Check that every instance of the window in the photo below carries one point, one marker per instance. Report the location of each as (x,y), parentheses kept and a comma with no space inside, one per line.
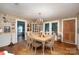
(47,27)
(51,28)
(54,27)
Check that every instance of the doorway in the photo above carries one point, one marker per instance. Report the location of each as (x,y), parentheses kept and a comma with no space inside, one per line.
(20,31)
(69,31)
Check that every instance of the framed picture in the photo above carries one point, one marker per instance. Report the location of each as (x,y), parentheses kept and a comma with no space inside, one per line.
(6,28)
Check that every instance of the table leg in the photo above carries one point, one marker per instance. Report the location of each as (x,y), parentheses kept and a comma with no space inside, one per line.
(43,46)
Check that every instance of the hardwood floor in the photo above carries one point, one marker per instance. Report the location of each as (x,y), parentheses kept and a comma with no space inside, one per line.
(59,49)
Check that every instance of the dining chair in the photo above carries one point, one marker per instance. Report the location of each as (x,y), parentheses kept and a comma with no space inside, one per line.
(50,44)
(29,43)
(29,40)
(35,44)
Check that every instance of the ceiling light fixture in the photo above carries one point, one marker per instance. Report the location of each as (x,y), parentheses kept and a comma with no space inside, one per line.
(40,17)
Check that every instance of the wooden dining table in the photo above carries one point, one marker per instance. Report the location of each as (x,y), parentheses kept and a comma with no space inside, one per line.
(42,39)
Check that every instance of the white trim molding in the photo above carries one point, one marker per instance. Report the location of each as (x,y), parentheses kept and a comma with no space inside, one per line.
(25,27)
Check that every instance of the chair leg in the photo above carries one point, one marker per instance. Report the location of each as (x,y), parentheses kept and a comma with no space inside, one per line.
(35,50)
(29,45)
(32,47)
(51,49)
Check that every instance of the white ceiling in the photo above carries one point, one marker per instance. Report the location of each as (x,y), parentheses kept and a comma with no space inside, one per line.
(47,10)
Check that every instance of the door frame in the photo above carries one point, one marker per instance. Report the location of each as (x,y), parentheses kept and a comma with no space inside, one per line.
(74,18)
(25,27)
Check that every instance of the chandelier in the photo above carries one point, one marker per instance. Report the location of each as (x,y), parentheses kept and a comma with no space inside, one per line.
(40,19)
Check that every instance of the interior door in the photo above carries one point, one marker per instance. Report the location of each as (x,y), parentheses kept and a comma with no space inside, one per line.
(69,31)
